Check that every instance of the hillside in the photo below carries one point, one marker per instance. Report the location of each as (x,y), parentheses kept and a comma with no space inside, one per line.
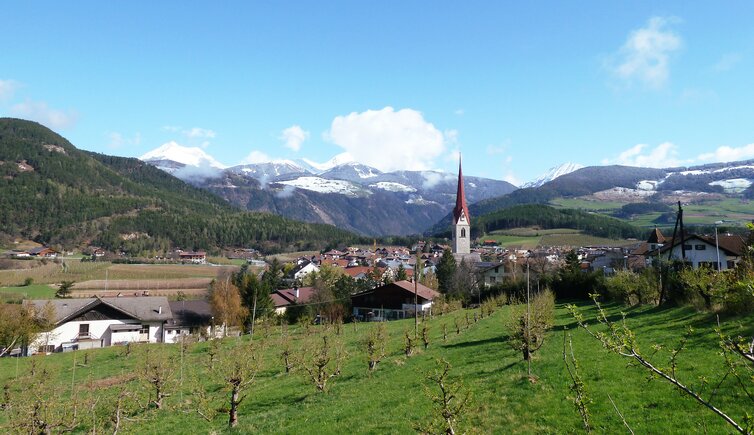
(53,193)
(643,196)
(396,397)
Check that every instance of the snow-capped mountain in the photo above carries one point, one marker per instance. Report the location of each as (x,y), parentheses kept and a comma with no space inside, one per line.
(317,168)
(268,171)
(553,173)
(183,156)
(351,171)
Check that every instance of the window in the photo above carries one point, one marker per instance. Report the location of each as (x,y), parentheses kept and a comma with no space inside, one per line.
(84,330)
(463,233)
(144,329)
(700,247)
(687,247)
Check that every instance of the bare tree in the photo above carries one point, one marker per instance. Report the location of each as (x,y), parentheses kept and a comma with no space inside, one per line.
(375,343)
(528,325)
(159,373)
(238,369)
(449,402)
(323,362)
(409,345)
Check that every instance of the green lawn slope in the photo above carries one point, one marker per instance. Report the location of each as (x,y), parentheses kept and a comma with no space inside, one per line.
(394,398)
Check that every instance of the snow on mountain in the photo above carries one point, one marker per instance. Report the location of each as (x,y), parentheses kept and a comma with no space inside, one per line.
(190,156)
(317,168)
(269,170)
(393,187)
(553,173)
(351,171)
(323,185)
(733,185)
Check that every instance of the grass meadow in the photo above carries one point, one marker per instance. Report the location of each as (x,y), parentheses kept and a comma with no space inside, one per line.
(395,397)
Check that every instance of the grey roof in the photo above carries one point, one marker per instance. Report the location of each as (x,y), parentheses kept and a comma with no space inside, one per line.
(145,308)
(190,313)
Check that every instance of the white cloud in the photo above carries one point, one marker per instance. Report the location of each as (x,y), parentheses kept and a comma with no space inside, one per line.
(459,112)
(727,62)
(199,133)
(117,140)
(645,56)
(432,179)
(729,154)
(293,137)
(664,155)
(39,111)
(8,88)
(513,179)
(256,157)
(388,140)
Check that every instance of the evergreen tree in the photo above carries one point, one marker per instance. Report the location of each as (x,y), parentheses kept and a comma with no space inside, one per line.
(446,269)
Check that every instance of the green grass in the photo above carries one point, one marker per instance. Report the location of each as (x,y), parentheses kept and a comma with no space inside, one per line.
(586,204)
(393,399)
(34,291)
(530,238)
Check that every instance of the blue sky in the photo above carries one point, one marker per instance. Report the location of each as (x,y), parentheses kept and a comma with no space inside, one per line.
(517,87)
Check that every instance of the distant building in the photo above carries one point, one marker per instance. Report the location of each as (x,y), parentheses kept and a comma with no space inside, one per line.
(704,251)
(196,257)
(461,219)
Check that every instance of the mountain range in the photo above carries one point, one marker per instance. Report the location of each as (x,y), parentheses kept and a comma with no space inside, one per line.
(341,192)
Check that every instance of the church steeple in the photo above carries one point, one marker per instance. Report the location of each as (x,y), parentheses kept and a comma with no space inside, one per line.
(461,218)
(461,207)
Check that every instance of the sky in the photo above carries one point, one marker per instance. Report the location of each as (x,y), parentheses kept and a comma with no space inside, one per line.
(515,87)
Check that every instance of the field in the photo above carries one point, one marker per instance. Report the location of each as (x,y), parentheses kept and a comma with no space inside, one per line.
(530,238)
(735,211)
(96,277)
(34,291)
(395,398)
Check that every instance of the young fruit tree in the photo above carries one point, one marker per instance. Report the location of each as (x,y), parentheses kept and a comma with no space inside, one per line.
(322,362)
(528,324)
(238,368)
(375,343)
(450,401)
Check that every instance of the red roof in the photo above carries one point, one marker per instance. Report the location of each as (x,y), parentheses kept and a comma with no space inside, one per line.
(461,206)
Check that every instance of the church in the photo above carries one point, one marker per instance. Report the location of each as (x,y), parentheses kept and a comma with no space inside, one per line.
(461,228)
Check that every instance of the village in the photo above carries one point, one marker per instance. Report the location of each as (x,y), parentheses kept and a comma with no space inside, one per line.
(383,283)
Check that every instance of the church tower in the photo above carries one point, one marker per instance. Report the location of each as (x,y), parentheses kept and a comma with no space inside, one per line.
(461,219)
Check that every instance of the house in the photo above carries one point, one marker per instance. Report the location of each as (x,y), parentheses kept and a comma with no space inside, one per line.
(284,298)
(43,252)
(702,251)
(392,301)
(492,274)
(196,257)
(190,317)
(101,322)
(302,269)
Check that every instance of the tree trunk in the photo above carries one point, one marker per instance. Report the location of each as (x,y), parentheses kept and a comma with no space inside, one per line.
(233,414)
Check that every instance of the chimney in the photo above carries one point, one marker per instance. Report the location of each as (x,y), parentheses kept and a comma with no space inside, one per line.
(159,309)
(295,292)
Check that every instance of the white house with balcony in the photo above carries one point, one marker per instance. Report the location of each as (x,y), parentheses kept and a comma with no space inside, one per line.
(704,251)
(100,322)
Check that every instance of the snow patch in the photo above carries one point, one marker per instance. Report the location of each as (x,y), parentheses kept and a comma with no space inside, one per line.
(393,187)
(733,185)
(323,185)
(648,185)
(617,193)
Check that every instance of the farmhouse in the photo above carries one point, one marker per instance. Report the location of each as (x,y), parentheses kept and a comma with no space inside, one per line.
(702,251)
(101,322)
(392,301)
(196,257)
(282,299)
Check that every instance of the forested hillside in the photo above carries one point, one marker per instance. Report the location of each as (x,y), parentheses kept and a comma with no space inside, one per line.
(53,193)
(547,217)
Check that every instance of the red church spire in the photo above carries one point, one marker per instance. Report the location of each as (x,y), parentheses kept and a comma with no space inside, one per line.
(460,198)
